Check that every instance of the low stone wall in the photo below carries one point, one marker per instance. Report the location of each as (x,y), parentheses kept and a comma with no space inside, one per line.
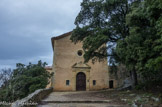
(33,99)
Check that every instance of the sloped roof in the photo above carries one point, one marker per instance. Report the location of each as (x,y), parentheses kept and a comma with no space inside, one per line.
(59,37)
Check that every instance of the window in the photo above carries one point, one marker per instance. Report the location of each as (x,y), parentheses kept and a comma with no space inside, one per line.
(80,53)
(94,82)
(67,82)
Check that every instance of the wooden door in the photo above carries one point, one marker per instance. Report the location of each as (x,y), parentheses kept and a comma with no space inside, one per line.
(81,82)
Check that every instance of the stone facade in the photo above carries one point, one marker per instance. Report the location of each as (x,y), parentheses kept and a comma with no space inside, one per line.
(119,75)
(70,71)
(49,69)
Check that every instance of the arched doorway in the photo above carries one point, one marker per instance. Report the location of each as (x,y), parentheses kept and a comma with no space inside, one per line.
(81,82)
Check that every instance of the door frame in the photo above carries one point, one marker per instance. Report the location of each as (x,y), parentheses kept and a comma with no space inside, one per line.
(87,74)
(83,80)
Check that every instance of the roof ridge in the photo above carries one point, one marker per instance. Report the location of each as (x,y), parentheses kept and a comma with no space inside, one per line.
(61,36)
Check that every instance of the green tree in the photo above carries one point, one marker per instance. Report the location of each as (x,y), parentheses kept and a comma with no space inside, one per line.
(25,80)
(141,51)
(131,29)
(98,23)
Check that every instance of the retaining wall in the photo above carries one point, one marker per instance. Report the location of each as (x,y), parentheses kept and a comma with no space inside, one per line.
(33,99)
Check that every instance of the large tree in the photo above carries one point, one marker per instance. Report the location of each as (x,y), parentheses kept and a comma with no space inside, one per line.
(142,50)
(131,29)
(25,80)
(98,23)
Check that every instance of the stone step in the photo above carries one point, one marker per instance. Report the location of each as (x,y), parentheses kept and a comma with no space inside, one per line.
(46,102)
(81,105)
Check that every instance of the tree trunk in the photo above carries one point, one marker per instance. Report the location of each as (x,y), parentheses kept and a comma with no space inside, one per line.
(134,78)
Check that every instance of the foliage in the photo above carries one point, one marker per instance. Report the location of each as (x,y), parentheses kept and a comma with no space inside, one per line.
(131,29)
(142,50)
(5,76)
(25,80)
(98,23)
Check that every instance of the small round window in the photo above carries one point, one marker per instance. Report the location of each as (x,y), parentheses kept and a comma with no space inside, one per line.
(80,53)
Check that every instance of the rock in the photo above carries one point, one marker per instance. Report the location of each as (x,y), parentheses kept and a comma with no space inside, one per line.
(134,105)
(131,95)
(127,84)
(128,91)
(141,105)
(155,99)
(124,100)
(138,98)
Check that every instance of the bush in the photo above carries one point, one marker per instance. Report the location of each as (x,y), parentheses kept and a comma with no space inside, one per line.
(25,80)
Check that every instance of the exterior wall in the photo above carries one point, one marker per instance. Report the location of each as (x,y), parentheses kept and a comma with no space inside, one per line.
(65,56)
(50,82)
(118,76)
(122,75)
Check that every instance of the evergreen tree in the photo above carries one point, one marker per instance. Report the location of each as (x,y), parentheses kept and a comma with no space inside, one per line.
(130,28)
(25,80)
(98,23)
(141,52)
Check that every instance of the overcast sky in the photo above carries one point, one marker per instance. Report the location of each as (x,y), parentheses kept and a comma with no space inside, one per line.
(26,28)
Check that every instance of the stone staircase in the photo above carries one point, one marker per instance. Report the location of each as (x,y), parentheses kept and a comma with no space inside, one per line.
(77,99)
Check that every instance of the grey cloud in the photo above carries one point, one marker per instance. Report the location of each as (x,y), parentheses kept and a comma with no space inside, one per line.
(26,28)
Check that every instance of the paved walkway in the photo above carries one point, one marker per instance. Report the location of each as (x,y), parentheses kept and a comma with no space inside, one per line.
(79,99)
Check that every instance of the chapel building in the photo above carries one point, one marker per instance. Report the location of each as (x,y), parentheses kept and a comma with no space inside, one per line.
(70,71)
